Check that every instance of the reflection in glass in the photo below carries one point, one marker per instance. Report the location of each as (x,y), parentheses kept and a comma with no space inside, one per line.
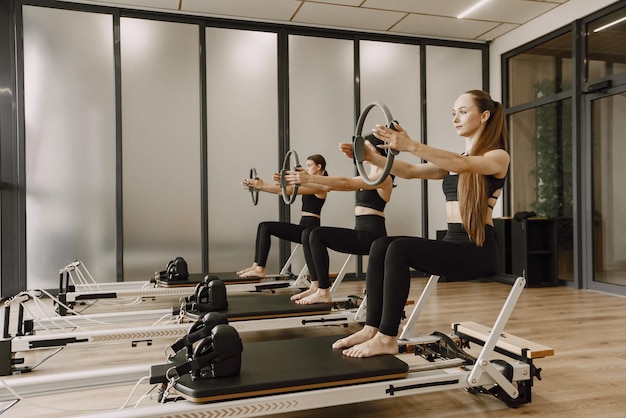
(541,71)
(609,195)
(606,49)
(541,170)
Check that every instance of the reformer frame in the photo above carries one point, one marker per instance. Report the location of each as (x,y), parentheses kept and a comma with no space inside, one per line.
(70,294)
(297,316)
(60,319)
(510,382)
(83,281)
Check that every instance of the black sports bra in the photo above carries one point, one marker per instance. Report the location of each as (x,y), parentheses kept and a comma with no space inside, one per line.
(312,204)
(370,199)
(451,184)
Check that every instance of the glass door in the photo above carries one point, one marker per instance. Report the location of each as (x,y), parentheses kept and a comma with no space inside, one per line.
(607,150)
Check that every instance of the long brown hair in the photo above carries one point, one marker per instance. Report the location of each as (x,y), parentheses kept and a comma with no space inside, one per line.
(473,187)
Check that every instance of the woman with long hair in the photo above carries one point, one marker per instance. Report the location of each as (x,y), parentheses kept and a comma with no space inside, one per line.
(472,182)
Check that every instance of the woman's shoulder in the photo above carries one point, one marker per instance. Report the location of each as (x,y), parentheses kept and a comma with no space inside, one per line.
(498,153)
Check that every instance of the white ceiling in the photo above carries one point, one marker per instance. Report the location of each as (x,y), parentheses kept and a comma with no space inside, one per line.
(424,18)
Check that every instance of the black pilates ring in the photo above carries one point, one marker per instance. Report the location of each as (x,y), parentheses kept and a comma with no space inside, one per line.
(289,199)
(358,144)
(254,192)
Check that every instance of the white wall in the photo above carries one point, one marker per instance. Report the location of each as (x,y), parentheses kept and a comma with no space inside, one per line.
(554,19)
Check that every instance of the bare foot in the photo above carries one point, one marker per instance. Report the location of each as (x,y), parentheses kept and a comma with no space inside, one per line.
(307,292)
(358,337)
(303,294)
(320,296)
(247,269)
(240,272)
(378,345)
(254,272)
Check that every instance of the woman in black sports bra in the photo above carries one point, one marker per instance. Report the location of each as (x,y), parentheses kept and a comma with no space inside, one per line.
(369,214)
(471,182)
(312,202)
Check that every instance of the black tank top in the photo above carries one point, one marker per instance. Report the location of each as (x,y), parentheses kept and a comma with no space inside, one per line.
(312,204)
(451,184)
(370,199)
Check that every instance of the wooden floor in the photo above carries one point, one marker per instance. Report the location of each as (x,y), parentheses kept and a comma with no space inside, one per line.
(585,378)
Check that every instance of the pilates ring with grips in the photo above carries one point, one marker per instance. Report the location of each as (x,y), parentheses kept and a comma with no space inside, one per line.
(358,144)
(254,192)
(289,199)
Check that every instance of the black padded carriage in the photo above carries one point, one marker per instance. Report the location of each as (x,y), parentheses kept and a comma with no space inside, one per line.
(283,366)
(244,307)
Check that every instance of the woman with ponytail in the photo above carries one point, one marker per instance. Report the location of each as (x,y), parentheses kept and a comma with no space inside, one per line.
(313,200)
(472,182)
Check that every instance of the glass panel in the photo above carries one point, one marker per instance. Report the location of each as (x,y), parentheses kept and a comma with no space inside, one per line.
(161,144)
(446,80)
(242,125)
(321,111)
(386,69)
(541,71)
(606,49)
(541,170)
(69,109)
(609,195)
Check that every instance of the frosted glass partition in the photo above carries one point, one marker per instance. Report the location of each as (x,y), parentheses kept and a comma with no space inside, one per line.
(161,145)
(69,109)
(242,119)
(321,98)
(390,73)
(449,73)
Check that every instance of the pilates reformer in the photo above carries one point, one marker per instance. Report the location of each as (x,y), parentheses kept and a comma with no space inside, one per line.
(27,385)
(63,311)
(76,284)
(247,312)
(504,368)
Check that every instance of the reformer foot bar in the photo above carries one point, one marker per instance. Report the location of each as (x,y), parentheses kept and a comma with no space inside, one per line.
(333,379)
(246,312)
(76,284)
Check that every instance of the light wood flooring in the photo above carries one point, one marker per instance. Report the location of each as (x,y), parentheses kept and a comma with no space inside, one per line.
(585,378)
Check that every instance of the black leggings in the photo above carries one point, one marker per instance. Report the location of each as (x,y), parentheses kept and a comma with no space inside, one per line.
(349,241)
(282,230)
(388,277)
